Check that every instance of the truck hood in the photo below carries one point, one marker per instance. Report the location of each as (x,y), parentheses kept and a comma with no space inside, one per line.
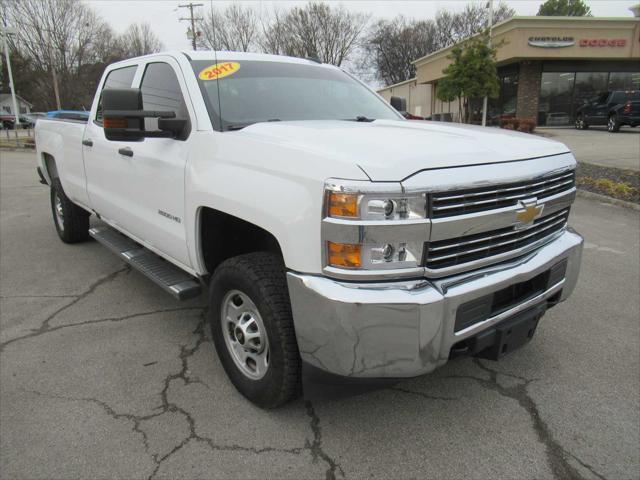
(389,150)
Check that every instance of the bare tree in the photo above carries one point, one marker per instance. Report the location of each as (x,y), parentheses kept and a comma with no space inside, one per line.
(275,35)
(392,45)
(317,30)
(235,28)
(139,40)
(57,37)
(66,47)
(475,17)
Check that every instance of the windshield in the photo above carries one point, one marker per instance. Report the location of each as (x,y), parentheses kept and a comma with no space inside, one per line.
(255,91)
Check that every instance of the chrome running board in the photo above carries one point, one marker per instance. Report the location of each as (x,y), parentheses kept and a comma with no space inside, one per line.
(161,272)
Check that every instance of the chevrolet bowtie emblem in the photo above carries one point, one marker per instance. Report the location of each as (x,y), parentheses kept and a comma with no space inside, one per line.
(529,212)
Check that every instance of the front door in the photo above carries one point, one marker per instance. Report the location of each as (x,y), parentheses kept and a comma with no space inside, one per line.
(139,185)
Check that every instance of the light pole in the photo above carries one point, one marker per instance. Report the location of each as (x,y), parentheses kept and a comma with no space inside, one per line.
(6,31)
(485,100)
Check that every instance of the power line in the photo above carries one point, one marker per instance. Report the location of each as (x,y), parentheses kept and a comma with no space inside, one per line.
(192,19)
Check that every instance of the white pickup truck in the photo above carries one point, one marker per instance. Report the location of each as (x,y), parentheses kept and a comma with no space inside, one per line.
(340,243)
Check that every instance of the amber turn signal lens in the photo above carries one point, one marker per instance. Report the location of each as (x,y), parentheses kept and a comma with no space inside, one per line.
(115,123)
(343,205)
(345,255)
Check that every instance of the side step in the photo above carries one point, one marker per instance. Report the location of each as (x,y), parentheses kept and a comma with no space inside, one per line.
(163,273)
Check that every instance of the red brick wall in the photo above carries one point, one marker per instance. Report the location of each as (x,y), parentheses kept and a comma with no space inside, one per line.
(528,89)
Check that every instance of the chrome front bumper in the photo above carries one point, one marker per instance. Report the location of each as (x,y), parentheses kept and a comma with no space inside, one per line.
(405,329)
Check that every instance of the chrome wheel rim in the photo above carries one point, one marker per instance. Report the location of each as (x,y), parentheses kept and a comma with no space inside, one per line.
(612,124)
(244,334)
(59,213)
(579,123)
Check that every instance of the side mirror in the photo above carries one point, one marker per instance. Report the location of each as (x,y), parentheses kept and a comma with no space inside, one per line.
(123,117)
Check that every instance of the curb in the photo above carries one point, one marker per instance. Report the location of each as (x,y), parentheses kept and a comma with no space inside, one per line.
(605,199)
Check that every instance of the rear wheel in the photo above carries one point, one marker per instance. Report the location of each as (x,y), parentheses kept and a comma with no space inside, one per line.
(613,125)
(580,123)
(71,221)
(252,328)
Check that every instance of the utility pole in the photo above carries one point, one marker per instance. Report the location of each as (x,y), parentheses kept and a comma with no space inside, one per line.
(485,101)
(192,19)
(6,31)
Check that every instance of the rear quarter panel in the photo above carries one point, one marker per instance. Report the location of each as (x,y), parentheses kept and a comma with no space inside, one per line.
(62,140)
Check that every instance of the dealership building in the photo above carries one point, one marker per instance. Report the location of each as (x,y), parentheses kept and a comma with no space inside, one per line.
(548,67)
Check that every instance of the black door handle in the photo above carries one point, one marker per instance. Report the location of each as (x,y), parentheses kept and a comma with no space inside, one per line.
(126,151)
(88,142)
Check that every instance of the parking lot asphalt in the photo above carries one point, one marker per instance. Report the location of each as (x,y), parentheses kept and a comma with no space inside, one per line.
(596,145)
(102,375)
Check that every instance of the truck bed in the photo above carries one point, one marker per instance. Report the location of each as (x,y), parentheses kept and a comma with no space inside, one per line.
(62,140)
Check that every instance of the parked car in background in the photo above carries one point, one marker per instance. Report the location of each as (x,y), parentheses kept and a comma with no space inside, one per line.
(613,109)
(32,118)
(27,120)
(557,118)
(69,115)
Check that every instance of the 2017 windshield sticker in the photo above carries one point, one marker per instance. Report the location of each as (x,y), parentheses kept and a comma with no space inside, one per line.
(219,70)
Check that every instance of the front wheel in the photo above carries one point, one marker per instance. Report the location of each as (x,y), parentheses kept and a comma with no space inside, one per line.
(252,328)
(580,123)
(613,125)
(71,221)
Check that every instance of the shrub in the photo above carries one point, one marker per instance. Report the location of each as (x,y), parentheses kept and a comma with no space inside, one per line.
(526,125)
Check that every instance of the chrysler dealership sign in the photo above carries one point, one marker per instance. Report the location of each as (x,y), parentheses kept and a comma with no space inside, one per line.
(551,42)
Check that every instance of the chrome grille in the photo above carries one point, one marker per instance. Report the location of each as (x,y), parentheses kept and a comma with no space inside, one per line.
(459,251)
(459,202)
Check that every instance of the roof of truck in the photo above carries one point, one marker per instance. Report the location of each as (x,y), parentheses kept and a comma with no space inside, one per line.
(224,55)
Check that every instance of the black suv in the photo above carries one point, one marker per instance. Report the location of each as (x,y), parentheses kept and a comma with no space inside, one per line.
(613,109)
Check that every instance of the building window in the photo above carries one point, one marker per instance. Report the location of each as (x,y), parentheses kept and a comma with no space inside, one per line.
(624,81)
(555,106)
(588,86)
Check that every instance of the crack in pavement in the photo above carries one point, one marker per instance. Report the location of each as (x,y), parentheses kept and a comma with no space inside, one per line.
(44,327)
(186,351)
(316,446)
(421,394)
(36,296)
(98,321)
(556,453)
(167,406)
(136,419)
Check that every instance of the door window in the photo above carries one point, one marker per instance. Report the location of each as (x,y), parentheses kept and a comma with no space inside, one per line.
(161,92)
(120,78)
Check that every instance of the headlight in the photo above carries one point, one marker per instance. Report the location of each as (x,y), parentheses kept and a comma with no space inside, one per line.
(372,230)
(374,206)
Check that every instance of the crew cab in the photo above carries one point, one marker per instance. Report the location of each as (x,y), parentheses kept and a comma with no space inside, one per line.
(613,109)
(338,243)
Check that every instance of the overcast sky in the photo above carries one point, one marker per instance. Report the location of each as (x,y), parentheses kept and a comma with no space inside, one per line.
(163,15)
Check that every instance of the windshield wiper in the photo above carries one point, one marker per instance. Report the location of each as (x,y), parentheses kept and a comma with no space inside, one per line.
(237,126)
(240,126)
(360,118)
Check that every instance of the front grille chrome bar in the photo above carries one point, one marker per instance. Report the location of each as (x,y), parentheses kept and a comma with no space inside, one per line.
(445,254)
(558,217)
(488,198)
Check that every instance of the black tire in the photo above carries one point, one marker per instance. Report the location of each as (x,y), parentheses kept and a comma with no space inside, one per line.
(612,124)
(261,277)
(73,223)
(580,123)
